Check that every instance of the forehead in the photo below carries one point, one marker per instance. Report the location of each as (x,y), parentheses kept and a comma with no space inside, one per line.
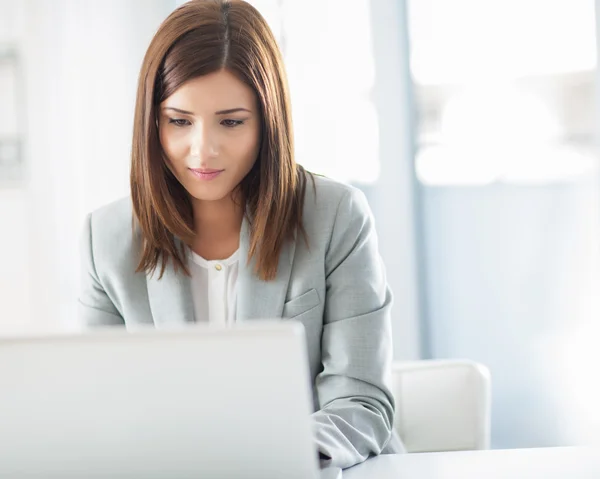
(216,91)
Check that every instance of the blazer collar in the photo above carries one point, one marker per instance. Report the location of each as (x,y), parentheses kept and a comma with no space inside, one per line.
(170,297)
(171,300)
(257,299)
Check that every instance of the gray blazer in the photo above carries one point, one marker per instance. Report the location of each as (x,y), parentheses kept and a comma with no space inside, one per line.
(336,287)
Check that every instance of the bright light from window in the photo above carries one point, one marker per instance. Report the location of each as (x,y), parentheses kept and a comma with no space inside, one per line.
(499,134)
(483,165)
(498,114)
(461,41)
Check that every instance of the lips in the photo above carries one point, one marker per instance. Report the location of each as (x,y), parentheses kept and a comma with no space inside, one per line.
(205,173)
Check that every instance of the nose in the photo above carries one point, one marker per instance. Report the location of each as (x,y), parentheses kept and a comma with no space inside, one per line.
(203,143)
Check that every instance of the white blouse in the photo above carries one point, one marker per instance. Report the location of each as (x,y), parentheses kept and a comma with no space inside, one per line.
(214,289)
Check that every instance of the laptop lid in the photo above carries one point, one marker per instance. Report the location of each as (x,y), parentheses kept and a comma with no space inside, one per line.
(200,402)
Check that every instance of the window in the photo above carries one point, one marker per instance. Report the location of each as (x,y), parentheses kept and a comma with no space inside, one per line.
(504,90)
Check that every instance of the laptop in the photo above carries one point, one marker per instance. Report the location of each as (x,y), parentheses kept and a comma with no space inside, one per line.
(202,402)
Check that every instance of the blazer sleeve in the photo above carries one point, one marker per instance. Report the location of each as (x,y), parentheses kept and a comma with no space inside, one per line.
(95,307)
(355,419)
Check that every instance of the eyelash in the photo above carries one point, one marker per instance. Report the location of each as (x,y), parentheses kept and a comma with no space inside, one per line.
(181,123)
(235,123)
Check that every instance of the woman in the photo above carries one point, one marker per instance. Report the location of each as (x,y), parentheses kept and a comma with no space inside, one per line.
(227,227)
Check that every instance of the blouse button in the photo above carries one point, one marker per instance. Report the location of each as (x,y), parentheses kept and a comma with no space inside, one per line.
(218,267)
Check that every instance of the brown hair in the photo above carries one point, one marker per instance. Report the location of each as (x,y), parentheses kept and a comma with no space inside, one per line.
(198,38)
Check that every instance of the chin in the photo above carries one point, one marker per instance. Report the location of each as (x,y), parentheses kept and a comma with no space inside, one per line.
(209,195)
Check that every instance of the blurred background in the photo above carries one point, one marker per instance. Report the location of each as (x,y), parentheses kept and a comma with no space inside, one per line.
(471,125)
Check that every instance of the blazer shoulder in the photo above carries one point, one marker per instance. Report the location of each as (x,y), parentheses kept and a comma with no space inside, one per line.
(325,198)
(327,192)
(331,205)
(113,219)
(110,233)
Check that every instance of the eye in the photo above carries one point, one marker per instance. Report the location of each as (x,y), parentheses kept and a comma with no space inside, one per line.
(179,122)
(232,123)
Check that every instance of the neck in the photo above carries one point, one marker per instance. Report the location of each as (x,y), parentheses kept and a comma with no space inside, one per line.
(215,219)
(217,225)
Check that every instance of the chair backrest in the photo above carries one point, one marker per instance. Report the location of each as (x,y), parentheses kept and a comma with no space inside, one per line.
(442,405)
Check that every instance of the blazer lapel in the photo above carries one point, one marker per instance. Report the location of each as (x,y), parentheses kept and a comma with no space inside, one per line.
(257,299)
(170,298)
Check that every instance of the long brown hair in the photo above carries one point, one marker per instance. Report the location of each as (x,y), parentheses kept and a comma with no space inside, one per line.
(198,38)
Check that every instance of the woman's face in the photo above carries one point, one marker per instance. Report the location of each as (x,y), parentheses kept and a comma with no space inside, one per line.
(210,132)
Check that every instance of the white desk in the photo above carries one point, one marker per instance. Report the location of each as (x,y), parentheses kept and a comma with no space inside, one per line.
(545,463)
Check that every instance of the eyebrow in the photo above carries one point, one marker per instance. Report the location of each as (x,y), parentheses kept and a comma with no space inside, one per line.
(220,112)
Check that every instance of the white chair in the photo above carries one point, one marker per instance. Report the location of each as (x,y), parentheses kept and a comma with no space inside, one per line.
(442,405)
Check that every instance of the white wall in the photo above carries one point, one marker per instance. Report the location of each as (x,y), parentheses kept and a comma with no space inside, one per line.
(14,224)
(14,259)
(81,60)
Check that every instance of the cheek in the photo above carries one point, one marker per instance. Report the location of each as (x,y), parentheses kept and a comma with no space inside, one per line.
(174,148)
(247,148)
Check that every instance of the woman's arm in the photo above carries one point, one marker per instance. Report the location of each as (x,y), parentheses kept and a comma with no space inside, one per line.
(357,406)
(95,307)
